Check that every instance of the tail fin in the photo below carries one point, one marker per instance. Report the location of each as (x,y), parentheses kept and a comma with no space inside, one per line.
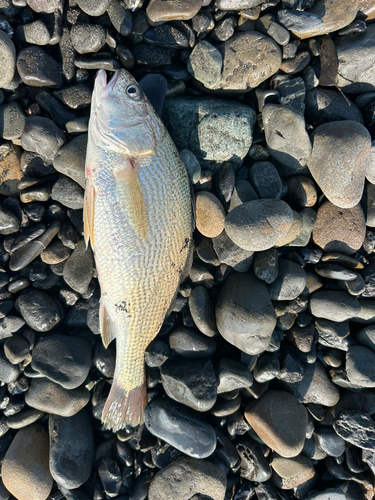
(124,408)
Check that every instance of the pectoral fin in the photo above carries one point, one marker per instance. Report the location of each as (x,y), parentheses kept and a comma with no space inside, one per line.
(107,332)
(88,213)
(128,179)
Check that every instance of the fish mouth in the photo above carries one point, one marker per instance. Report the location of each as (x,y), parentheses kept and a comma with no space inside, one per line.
(101,80)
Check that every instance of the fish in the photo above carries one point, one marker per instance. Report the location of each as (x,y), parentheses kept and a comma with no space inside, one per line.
(138,218)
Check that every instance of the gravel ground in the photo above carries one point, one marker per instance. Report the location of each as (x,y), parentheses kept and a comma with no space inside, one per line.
(261,383)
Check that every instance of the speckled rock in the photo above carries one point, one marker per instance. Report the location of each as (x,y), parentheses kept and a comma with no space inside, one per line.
(210,214)
(7,59)
(288,473)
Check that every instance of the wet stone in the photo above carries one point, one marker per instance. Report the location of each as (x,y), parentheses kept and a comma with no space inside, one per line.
(357,428)
(16,349)
(110,476)
(104,359)
(254,466)
(329,441)
(232,375)
(189,343)
(37,68)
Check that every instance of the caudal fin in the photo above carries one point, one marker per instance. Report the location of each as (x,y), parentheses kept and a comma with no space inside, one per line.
(124,408)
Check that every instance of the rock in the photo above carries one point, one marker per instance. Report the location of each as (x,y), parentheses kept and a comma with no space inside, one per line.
(366,337)
(233,375)
(266,265)
(339,230)
(110,476)
(37,68)
(35,33)
(157,11)
(332,334)
(156,353)
(334,14)
(210,214)
(25,470)
(16,349)
(329,441)
(8,372)
(289,283)
(243,50)
(334,305)
(63,359)
(244,313)
(87,38)
(42,136)
(105,359)
(356,428)
(68,193)
(258,225)
(10,170)
(231,254)
(192,165)
(286,137)
(93,8)
(254,466)
(280,421)
(190,433)
(302,190)
(8,59)
(294,232)
(215,130)
(189,343)
(288,473)
(12,121)
(303,24)
(243,191)
(40,311)
(79,268)
(120,17)
(192,383)
(76,97)
(71,449)
(185,478)
(55,253)
(47,396)
(266,180)
(336,143)
(44,6)
(205,64)
(202,311)
(360,366)
(323,105)
(9,223)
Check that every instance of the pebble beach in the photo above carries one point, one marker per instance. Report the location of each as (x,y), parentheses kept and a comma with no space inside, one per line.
(261,382)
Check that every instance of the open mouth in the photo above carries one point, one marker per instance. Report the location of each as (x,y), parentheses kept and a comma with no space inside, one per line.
(101,79)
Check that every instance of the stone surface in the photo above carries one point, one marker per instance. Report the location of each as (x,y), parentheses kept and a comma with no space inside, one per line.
(10,170)
(280,421)
(244,313)
(42,136)
(266,180)
(357,428)
(37,68)
(25,470)
(335,14)
(78,269)
(40,311)
(205,64)
(334,305)
(338,229)
(288,473)
(12,121)
(289,283)
(202,311)
(360,366)
(157,11)
(231,254)
(323,105)
(68,193)
(334,144)
(70,159)
(7,59)
(210,214)
(87,38)
(189,343)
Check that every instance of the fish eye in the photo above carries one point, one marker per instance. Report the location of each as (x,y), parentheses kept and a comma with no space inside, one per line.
(134,92)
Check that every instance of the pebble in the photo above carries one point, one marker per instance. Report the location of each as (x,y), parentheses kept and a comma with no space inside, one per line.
(55,253)
(302,190)
(254,466)
(104,360)
(40,311)
(87,38)
(35,33)
(12,121)
(110,475)
(192,383)
(334,271)
(93,8)
(16,349)
(231,254)
(157,11)
(332,334)
(244,313)
(288,473)
(210,214)
(280,422)
(266,180)
(37,68)
(202,311)
(76,97)
(42,136)
(156,353)
(339,230)
(223,129)
(190,343)
(79,268)
(329,441)
(120,17)
(9,223)
(71,437)
(192,165)
(294,232)
(360,367)
(10,170)
(259,225)
(8,59)
(334,143)
(205,64)
(68,193)
(47,396)
(69,359)
(323,105)
(286,137)
(188,478)
(181,427)
(233,375)
(289,283)
(334,305)
(8,372)
(25,472)
(301,23)
(266,265)
(356,428)
(366,337)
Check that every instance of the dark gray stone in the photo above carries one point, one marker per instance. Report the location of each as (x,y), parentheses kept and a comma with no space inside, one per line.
(156,353)
(12,121)
(360,366)
(266,180)
(8,372)
(329,441)
(323,105)
(40,311)
(254,466)
(266,265)
(190,343)
(289,283)
(202,311)
(334,305)
(9,223)
(68,193)
(79,268)
(231,254)
(356,428)
(233,375)
(37,68)
(42,136)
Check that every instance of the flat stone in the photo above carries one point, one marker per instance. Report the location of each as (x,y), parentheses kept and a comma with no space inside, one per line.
(24,418)
(68,193)
(202,311)
(366,337)
(360,366)
(244,313)
(289,283)
(186,478)
(288,473)
(339,229)
(24,471)
(181,427)
(47,396)
(9,223)
(72,449)
(356,428)
(280,421)
(205,64)
(334,305)
(93,8)
(286,136)
(42,136)
(336,143)
(323,105)
(157,11)
(301,23)
(329,441)
(40,311)
(190,343)
(8,59)
(258,225)
(37,68)
(79,268)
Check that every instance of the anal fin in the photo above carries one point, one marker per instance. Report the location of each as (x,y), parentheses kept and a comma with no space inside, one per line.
(107,332)
(88,213)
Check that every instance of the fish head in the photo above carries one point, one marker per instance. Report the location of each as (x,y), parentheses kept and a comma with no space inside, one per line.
(122,118)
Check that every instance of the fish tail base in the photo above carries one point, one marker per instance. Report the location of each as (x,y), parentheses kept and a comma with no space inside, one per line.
(124,408)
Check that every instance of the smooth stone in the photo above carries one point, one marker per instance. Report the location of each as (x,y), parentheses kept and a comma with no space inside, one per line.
(9,223)
(47,396)
(187,479)
(366,337)
(333,334)
(333,271)
(55,253)
(290,282)
(294,231)
(76,97)
(266,180)
(157,11)
(192,165)
(335,14)
(12,121)
(9,325)
(233,375)
(334,305)
(237,4)
(254,466)
(40,311)
(71,449)
(323,105)
(280,422)
(289,473)
(25,472)
(24,418)
(225,182)
(343,260)
(37,68)
(356,58)
(10,170)
(63,359)
(8,59)
(104,359)
(231,254)
(266,265)
(260,224)
(308,216)
(205,64)
(120,17)
(214,130)
(35,33)
(244,313)
(70,160)
(329,441)
(301,23)
(286,137)
(360,366)
(8,372)
(87,38)
(42,136)
(68,193)
(94,9)
(192,383)
(339,230)
(266,369)
(224,407)
(79,268)
(356,428)
(202,311)
(243,191)
(210,214)
(16,349)
(156,353)
(343,187)
(181,427)
(189,343)
(337,493)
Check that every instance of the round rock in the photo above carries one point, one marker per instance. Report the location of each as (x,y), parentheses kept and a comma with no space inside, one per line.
(42,136)
(266,180)
(70,160)
(360,366)
(290,281)
(7,59)
(87,38)
(334,305)
(79,268)
(260,224)
(25,471)
(280,421)
(40,311)
(190,343)
(38,69)
(210,214)
(68,193)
